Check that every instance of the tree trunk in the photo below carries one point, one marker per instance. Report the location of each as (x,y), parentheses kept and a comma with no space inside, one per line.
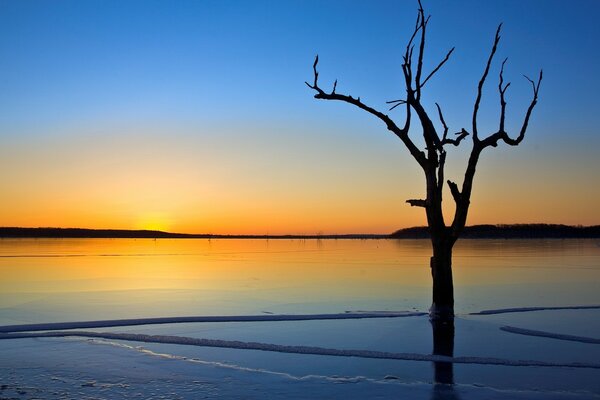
(442,307)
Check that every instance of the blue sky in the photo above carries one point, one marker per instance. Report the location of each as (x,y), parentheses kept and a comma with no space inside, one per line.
(235,69)
(174,60)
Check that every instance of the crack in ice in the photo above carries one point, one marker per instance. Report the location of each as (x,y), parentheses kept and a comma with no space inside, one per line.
(210,318)
(528,309)
(551,335)
(312,350)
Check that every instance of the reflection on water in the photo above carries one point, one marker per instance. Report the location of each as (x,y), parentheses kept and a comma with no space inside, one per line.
(443,345)
(86,279)
(66,279)
(443,375)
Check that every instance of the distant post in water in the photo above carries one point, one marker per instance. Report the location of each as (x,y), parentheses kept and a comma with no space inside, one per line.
(432,159)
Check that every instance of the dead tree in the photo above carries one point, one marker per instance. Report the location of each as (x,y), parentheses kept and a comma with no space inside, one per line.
(432,159)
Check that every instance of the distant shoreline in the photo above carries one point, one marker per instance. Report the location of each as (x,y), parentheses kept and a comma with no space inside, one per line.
(515,231)
(16,232)
(512,231)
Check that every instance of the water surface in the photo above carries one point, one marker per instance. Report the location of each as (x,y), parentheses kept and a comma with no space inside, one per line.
(51,280)
(44,280)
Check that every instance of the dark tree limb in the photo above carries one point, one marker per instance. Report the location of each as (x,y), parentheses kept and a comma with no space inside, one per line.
(536,89)
(501,91)
(463,197)
(460,136)
(462,208)
(413,95)
(455,192)
(396,103)
(315,85)
(407,65)
(440,178)
(436,69)
(402,133)
(417,203)
(493,139)
(423,27)
(482,81)
(432,140)
(445,135)
(445,140)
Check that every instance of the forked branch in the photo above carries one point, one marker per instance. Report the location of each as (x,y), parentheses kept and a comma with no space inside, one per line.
(402,133)
(501,90)
(396,103)
(463,197)
(493,139)
(501,134)
(445,140)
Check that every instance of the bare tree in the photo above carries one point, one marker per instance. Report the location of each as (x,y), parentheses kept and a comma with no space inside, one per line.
(432,159)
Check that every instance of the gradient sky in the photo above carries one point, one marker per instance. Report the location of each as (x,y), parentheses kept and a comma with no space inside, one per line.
(193,116)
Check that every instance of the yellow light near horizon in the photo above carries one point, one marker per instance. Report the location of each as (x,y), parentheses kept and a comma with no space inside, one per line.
(198,183)
(153,222)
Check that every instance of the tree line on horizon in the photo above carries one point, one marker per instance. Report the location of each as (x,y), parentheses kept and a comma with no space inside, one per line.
(502,231)
(507,231)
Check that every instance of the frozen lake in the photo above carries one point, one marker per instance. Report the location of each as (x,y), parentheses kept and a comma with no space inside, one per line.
(544,354)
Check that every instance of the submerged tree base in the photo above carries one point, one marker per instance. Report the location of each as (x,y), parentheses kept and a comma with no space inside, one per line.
(441,313)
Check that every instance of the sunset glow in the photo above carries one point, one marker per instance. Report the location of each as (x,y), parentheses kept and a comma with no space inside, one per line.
(196,118)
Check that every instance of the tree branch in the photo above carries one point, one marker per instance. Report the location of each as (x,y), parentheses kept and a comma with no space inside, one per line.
(461,135)
(482,81)
(502,90)
(390,124)
(397,103)
(445,140)
(438,67)
(442,121)
(407,65)
(536,88)
(493,139)
(424,22)
(440,179)
(455,192)
(413,96)
(315,85)
(417,203)
(432,140)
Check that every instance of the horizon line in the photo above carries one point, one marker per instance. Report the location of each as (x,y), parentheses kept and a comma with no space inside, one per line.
(480,230)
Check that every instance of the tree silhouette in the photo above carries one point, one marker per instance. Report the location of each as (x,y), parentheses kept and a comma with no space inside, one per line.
(432,159)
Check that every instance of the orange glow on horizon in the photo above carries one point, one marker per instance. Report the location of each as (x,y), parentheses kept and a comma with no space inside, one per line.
(202,184)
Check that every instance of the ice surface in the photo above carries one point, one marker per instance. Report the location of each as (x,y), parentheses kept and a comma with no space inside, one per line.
(189,341)
(67,369)
(250,278)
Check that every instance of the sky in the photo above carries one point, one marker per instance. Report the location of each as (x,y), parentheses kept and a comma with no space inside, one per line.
(193,116)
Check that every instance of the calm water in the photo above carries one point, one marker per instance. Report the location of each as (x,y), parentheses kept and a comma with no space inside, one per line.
(86,279)
(65,279)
